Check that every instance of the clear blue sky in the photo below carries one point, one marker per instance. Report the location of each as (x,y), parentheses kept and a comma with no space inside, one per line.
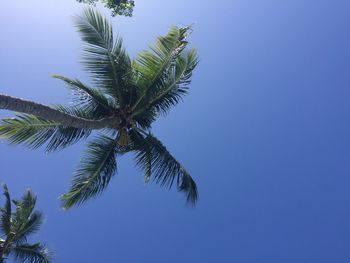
(265,132)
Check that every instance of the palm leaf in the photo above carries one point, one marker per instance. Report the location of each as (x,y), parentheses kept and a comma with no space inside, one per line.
(152,154)
(34,131)
(151,66)
(28,225)
(87,98)
(24,207)
(31,253)
(105,60)
(94,173)
(5,219)
(174,86)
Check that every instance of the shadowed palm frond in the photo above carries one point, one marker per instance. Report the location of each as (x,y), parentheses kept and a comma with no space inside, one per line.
(34,131)
(28,226)
(31,253)
(22,216)
(160,166)
(24,207)
(104,58)
(5,219)
(94,173)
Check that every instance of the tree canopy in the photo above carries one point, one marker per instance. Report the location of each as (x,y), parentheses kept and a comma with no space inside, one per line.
(118,7)
(126,97)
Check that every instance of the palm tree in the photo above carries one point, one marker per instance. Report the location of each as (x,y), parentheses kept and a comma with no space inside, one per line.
(127,97)
(15,228)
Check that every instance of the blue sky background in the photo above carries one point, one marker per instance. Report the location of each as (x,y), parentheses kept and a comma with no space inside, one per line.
(264,131)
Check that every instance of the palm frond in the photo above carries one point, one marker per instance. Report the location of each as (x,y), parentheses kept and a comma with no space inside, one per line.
(107,61)
(34,131)
(22,216)
(94,173)
(175,84)
(5,219)
(87,98)
(145,117)
(28,226)
(24,207)
(32,253)
(153,157)
(151,66)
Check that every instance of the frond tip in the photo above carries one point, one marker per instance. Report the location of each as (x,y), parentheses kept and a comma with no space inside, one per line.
(161,167)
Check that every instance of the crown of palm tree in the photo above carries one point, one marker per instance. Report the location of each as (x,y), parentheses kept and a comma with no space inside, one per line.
(15,227)
(127,96)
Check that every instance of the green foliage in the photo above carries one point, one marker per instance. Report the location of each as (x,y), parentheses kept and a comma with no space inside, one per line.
(94,172)
(31,253)
(156,162)
(17,226)
(135,92)
(33,132)
(105,59)
(118,7)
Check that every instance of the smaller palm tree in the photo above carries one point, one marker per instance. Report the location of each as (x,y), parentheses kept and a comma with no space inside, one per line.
(15,228)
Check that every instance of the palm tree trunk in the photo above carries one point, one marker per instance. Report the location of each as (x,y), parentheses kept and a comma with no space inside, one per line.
(48,113)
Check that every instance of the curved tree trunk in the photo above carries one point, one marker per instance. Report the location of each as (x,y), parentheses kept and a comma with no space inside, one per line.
(48,113)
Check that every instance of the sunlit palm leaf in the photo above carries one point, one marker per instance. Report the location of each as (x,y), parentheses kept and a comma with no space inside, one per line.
(174,86)
(31,253)
(155,159)
(94,173)
(33,132)
(105,60)
(151,67)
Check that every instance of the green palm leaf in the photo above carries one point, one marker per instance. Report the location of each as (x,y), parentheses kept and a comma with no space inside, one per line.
(174,86)
(34,131)
(105,60)
(94,173)
(27,226)
(5,219)
(88,99)
(24,207)
(159,165)
(152,67)
(24,220)
(31,253)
